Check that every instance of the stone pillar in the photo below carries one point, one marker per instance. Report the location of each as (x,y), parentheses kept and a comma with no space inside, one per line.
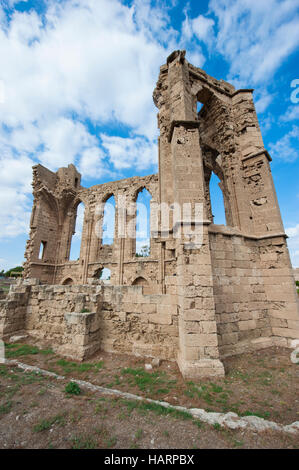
(198,353)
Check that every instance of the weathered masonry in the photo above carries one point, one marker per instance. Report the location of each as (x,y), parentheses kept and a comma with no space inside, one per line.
(192,304)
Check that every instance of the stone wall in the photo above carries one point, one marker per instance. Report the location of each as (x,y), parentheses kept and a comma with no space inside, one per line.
(296,274)
(76,321)
(253,292)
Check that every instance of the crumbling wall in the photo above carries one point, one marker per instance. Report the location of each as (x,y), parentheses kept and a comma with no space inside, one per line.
(76,321)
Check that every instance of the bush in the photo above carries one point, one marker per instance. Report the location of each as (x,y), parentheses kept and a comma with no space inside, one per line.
(73,388)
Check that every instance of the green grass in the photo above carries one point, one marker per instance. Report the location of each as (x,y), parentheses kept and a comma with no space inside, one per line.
(45,424)
(83,442)
(159,410)
(150,382)
(6,407)
(259,414)
(110,442)
(208,392)
(216,426)
(17,350)
(70,367)
(46,352)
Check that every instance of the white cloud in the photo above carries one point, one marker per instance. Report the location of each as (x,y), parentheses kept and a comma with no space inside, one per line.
(94,60)
(293,243)
(266,124)
(92,163)
(88,59)
(125,153)
(287,147)
(291,114)
(263,102)
(15,195)
(255,36)
(193,31)
(203,27)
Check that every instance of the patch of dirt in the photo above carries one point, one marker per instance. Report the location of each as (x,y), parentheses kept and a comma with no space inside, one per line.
(36,412)
(263,383)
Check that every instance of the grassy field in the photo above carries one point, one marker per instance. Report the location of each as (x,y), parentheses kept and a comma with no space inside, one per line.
(40,412)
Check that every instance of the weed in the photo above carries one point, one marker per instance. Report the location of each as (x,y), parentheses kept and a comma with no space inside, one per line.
(70,367)
(16,350)
(83,442)
(45,424)
(111,442)
(138,434)
(260,414)
(145,381)
(100,408)
(72,388)
(198,423)
(6,407)
(46,352)
(75,416)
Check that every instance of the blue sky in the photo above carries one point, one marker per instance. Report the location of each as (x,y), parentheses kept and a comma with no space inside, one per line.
(76,83)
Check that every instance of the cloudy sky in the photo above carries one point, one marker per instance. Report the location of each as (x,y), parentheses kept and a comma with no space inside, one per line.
(76,83)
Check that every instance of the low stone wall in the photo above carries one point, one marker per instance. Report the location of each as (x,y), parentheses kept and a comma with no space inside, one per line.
(255,298)
(13,310)
(145,325)
(76,321)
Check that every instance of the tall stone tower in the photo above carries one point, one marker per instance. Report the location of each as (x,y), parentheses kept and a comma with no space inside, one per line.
(237,290)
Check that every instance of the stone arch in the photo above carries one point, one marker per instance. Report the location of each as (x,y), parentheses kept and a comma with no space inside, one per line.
(108,219)
(77,227)
(139,190)
(68,281)
(142,241)
(141,281)
(212,161)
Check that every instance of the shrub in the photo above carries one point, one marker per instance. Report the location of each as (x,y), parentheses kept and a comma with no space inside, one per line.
(73,388)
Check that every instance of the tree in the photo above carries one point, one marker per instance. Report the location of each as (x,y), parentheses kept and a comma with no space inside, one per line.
(17,269)
(144,251)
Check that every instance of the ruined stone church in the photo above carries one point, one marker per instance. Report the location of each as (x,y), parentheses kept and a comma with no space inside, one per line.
(192,304)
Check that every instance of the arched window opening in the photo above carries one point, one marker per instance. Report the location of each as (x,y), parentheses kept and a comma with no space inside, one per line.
(68,282)
(143,212)
(77,235)
(105,275)
(217,202)
(109,222)
(199,106)
(42,250)
(140,281)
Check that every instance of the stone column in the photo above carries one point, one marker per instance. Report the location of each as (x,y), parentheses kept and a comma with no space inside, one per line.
(198,354)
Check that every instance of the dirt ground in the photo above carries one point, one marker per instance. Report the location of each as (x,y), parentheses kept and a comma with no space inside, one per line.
(37,413)
(264,383)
